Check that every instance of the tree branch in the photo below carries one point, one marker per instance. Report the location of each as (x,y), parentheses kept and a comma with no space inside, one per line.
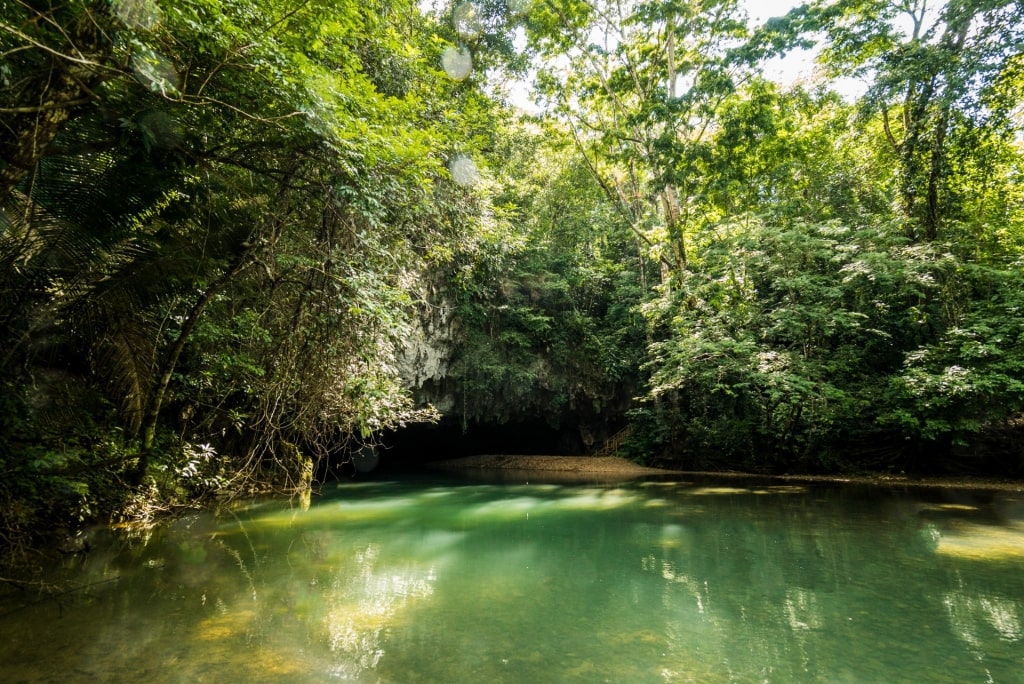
(45,107)
(612,196)
(46,48)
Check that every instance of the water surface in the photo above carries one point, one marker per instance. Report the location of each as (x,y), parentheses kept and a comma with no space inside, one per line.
(450,580)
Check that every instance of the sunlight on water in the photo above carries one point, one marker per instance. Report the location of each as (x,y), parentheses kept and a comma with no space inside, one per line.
(760,491)
(969,615)
(969,540)
(509,509)
(453,581)
(338,512)
(522,507)
(948,507)
(801,607)
(781,489)
(711,491)
(597,500)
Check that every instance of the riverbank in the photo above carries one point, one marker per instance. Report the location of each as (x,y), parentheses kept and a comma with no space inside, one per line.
(614,466)
(585,465)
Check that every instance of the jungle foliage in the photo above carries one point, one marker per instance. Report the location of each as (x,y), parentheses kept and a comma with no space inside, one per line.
(839,276)
(213,215)
(223,222)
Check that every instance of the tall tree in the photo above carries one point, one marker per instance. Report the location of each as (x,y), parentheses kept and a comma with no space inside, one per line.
(640,84)
(938,72)
(220,229)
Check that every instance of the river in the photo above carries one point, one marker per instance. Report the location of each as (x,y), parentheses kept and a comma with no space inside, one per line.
(443,578)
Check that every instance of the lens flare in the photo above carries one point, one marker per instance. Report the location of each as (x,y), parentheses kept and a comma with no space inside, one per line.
(137,14)
(457,63)
(516,7)
(464,171)
(155,71)
(467,20)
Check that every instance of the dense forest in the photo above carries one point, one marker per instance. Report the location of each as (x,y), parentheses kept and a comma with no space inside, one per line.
(243,242)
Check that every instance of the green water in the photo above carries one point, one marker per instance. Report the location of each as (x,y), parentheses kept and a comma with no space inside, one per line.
(434,580)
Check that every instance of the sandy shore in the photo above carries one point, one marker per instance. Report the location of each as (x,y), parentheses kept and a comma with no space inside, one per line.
(606,467)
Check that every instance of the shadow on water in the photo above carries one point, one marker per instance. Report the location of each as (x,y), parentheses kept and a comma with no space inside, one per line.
(514,577)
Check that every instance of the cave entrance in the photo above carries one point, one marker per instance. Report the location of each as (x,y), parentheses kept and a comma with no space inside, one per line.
(423,443)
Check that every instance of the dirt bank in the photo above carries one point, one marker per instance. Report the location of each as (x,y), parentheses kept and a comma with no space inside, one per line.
(615,467)
(596,465)
(887,480)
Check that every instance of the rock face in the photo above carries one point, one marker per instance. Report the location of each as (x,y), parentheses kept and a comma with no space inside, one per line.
(424,361)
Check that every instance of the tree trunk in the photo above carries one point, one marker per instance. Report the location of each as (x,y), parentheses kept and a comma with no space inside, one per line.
(936,171)
(156,400)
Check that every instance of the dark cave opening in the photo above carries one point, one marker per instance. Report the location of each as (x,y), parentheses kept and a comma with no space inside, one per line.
(424,443)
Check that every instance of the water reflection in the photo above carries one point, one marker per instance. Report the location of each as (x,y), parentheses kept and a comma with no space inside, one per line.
(970,613)
(470,582)
(362,604)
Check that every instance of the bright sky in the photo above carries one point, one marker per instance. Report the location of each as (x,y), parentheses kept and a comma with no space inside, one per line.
(797,66)
(760,10)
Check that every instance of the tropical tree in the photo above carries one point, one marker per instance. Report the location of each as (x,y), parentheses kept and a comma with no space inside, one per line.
(778,347)
(943,80)
(213,218)
(639,85)
(545,303)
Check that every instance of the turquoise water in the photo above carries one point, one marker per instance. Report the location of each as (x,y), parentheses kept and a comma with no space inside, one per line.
(449,580)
